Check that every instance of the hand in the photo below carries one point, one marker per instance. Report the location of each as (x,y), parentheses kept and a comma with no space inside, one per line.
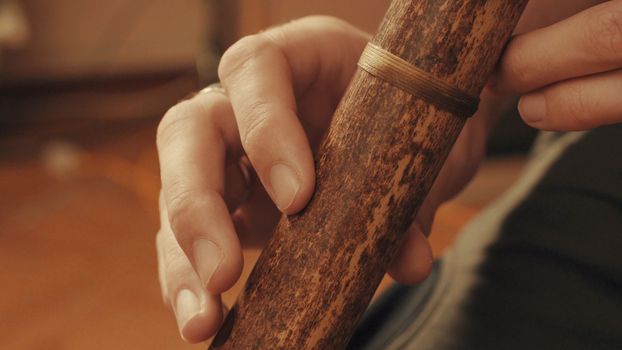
(570,73)
(282,88)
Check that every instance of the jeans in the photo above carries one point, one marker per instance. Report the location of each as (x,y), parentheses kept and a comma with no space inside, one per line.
(540,269)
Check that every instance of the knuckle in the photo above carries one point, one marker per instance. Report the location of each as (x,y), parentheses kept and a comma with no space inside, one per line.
(329,20)
(256,124)
(185,207)
(180,205)
(606,31)
(173,124)
(241,54)
(174,266)
(177,265)
(274,37)
(329,23)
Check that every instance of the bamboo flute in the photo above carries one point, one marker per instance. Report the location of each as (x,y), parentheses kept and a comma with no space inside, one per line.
(417,83)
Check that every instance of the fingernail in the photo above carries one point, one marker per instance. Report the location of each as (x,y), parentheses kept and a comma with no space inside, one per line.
(207,257)
(186,306)
(532,108)
(285,185)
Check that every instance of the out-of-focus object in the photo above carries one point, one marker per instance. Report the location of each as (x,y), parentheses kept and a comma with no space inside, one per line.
(14,30)
(254,15)
(74,39)
(233,19)
(106,60)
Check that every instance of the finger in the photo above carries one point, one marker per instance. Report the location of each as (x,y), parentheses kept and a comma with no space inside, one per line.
(263,73)
(161,271)
(198,313)
(577,104)
(192,147)
(461,163)
(413,262)
(587,43)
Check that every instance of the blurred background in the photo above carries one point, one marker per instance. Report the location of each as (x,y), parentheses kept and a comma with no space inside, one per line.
(83,84)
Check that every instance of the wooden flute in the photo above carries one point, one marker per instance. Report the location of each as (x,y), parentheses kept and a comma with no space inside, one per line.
(418,81)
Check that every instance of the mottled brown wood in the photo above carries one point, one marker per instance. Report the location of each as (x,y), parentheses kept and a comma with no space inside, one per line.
(382,153)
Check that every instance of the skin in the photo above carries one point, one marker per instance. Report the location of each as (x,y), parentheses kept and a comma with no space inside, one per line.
(282,86)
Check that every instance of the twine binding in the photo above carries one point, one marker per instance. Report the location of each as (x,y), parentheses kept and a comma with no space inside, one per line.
(409,78)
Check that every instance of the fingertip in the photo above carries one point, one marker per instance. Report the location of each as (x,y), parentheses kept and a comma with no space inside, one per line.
(203,324)
(283,160)
(532,108)
(290,189)
(413,263)
(284,185)
(203,229)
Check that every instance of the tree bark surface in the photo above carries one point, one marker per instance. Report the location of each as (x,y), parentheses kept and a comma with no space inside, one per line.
(381,155)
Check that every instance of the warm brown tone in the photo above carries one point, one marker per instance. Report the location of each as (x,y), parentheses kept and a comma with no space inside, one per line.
(77,246)
(382,153)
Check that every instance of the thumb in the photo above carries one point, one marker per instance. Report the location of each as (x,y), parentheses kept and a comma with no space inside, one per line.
(413,262)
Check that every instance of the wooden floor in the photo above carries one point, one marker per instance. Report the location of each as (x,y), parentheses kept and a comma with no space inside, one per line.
(78,217)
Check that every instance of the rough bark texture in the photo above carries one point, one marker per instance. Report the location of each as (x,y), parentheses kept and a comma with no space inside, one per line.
(383,151)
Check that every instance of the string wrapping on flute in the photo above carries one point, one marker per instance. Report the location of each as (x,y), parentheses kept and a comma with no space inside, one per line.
(409,78)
